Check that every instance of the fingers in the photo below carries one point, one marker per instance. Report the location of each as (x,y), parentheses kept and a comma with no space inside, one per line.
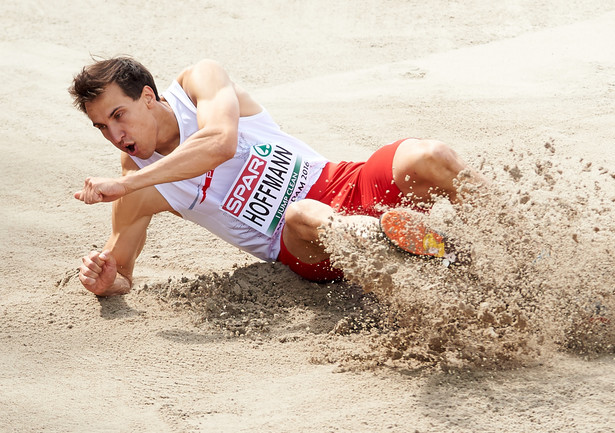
(93,262)
(90,193)
(96,190)
(91,268)
(87,281)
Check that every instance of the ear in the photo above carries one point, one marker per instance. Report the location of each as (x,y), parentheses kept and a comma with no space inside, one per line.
(148,95)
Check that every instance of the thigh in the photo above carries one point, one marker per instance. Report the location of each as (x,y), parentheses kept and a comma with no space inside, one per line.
(375,186)
(360,187)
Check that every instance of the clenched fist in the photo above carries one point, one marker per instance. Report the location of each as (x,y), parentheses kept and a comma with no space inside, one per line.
(99,275)
(99,189)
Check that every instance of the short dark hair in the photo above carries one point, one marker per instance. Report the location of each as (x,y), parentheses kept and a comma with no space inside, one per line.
(126,72)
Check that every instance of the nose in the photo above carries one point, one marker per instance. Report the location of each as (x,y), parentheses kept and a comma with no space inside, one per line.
(116,135)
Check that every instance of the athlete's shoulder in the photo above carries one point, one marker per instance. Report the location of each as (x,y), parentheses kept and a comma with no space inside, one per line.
(204,80)
(205,69)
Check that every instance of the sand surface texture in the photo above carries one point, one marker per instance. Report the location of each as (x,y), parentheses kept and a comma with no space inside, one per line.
(212,340)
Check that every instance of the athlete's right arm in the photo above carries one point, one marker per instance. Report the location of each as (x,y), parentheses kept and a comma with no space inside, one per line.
(109,272)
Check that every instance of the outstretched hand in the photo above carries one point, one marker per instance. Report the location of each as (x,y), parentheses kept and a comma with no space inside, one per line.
(98,189)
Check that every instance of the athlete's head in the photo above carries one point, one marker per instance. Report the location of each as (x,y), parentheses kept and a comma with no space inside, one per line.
(130,75)
(120,97)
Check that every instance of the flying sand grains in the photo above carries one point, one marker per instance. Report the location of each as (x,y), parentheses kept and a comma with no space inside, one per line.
(538,237)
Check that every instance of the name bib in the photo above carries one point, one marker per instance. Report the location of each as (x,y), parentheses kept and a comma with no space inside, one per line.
(272,177)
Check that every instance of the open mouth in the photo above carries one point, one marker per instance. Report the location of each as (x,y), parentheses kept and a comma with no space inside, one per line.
(130,148)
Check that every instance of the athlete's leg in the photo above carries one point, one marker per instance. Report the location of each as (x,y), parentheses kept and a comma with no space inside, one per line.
(305,221)
(418,167)
(422,169)
(425,167)
(301,228)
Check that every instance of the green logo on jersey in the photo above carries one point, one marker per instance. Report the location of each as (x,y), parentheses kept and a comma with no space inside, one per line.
(263,150)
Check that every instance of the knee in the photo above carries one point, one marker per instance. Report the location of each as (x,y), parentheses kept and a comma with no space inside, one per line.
(437,162)
(434,153)
(304,217)
(421,165)
(294,215)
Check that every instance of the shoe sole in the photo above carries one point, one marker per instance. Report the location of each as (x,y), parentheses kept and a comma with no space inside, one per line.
(405,231)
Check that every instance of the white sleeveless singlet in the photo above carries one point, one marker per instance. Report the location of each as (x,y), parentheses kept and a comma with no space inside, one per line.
(243,200)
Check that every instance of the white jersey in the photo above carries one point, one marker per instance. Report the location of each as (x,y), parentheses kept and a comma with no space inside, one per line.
(243,200)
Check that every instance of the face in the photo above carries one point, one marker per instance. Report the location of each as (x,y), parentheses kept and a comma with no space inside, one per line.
(128,124)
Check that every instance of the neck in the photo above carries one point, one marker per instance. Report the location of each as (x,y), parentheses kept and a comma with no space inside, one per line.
(168,129)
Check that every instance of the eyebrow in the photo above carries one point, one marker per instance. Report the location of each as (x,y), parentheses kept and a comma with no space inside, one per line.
(113,112)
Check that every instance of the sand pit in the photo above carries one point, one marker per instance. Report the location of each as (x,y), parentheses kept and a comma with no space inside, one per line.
(211,339)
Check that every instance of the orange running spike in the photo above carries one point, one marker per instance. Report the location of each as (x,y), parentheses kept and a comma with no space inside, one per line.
(405,230)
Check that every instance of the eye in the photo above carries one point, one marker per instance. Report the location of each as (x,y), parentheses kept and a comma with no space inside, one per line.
(100,127)
(117,115)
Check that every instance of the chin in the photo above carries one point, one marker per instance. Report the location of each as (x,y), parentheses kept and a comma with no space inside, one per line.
(144,155)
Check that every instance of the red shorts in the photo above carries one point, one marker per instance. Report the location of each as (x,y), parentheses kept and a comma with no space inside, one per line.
(349,188)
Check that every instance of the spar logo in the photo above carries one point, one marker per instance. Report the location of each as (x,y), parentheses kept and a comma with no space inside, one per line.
(268,181)
(242,189)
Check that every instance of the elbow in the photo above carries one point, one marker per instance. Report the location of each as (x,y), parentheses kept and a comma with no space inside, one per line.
(228,144)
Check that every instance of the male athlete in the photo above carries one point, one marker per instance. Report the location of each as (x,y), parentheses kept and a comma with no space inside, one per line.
(206,151)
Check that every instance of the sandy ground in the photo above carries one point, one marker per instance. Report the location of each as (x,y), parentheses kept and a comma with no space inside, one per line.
(247,346)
